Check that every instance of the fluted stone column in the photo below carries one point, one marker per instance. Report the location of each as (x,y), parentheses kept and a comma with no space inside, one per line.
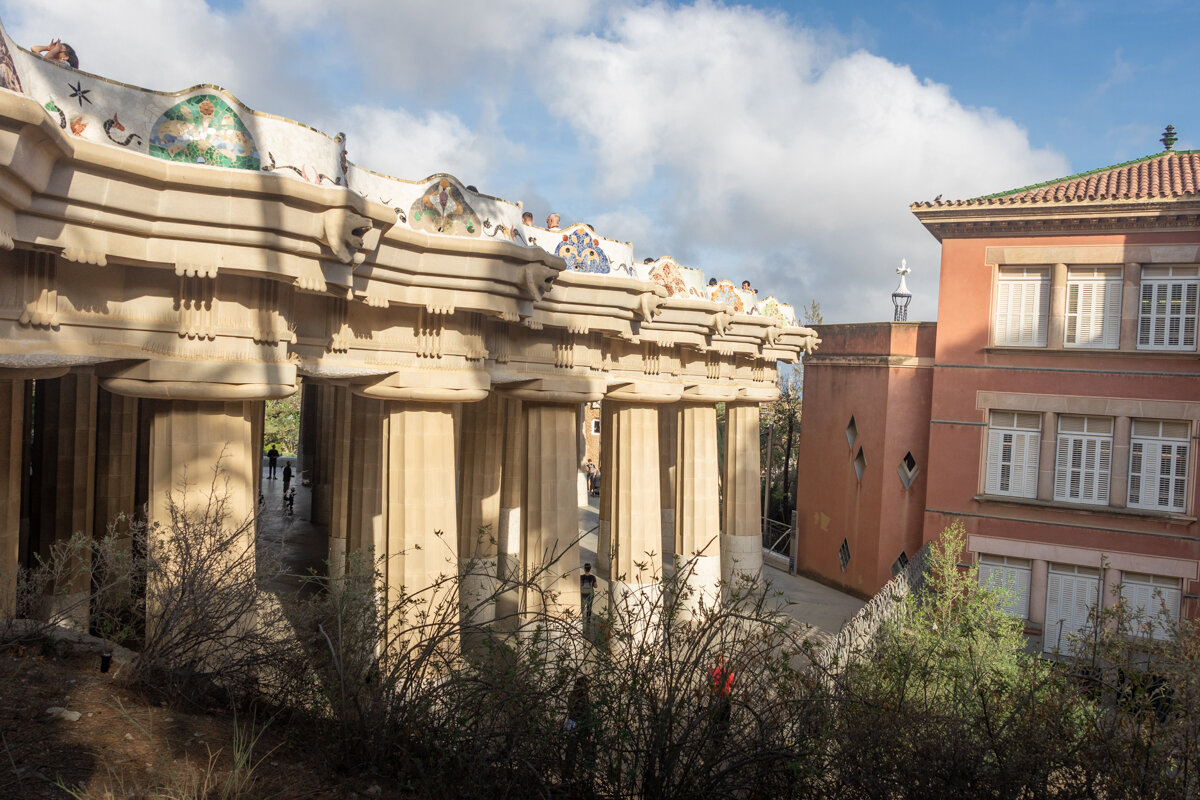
(668,448)
(551,508)
(741,542)
(364,524)
(604,543)
(420,512)
(116,467)
(479,510)
(512,486)
(204,452)
(66,417)
(336,443)
(12,424)
(697,503)
(635,505)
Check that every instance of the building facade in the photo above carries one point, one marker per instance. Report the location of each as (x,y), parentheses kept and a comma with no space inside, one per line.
(1064,405)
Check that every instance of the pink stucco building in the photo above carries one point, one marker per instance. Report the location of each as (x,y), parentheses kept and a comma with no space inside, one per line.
(1064,401)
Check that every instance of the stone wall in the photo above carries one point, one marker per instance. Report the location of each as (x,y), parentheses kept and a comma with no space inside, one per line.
(857,635)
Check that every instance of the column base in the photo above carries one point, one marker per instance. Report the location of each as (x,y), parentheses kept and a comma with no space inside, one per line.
(668,533)
(337,557)
(741,558)
(477,589)
(702,575)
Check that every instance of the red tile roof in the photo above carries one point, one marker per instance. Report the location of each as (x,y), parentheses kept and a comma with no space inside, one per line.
(1162,176)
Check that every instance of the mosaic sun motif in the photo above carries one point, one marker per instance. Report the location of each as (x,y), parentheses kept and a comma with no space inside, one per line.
(204,129)
(443,209)
(725,292)
(582,252)
(8,69)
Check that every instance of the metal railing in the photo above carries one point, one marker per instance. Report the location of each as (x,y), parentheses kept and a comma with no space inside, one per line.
(777,537)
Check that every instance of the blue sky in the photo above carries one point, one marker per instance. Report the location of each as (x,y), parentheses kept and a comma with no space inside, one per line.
(781,142)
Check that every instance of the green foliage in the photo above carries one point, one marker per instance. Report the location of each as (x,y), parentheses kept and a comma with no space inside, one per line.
(282,427)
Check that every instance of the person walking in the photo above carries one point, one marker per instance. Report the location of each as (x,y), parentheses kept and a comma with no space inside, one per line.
(287,475)
(272,461)
(587,591)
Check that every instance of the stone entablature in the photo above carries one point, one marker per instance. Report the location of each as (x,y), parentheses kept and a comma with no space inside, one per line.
(209,129)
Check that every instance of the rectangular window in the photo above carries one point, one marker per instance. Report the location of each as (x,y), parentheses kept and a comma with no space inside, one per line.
(1167,310)
(1154,601)
(1014,439)
(1084,459)
(1011,575)
(1022,307)
(1093,308)
(1158,464)
(1071,594)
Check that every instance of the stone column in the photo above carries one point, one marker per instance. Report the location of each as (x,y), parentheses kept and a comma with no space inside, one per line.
(364,512)
(66,416)
(116,469)
(697,520)
(12,424)
(635,504)
(420,512)
(1039,573)
(604,543)
(203,460)
(512,483)
(1131,301)
(1047,452)
(668,446)
(307,444)
(741,542)
(551,508)
(336,443)
(479,510)
(1057,324)
(1118,484)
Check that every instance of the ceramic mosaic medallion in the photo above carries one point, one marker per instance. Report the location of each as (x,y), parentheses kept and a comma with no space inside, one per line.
(725,292)
(205,130)
(582,252)
(8,70)
(443,209)
(667,276)
(781,312)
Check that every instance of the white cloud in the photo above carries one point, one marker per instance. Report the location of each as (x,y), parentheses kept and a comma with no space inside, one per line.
(776,142)
(396,142)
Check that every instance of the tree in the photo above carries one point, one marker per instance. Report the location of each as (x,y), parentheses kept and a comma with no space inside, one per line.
(780,433)
(811,313)
(282,427)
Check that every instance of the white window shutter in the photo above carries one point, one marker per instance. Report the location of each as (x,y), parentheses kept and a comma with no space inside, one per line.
(1103,470)
(995,445)
(1111,337)
(1062,469)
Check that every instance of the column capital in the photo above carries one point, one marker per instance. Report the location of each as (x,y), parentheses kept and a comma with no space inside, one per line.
(753,395)
(709,393)
(564,390)
(433,386)
(205,381)
(635,391)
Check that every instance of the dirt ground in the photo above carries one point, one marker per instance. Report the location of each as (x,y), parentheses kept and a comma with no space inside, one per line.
(125,746)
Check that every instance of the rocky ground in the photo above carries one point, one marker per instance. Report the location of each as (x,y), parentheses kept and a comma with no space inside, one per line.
(69,730)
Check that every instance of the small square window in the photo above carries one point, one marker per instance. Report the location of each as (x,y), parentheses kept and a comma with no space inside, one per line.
(907,470)
(844,554)
(860,464)
(851,433)
(595,427)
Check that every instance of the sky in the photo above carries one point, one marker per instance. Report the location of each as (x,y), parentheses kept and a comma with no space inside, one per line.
(779,142)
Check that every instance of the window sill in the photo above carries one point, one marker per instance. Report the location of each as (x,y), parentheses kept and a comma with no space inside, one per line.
(1086,508)
(1074,351)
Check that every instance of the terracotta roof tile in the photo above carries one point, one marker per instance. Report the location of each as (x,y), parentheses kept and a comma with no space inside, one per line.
(1162,176)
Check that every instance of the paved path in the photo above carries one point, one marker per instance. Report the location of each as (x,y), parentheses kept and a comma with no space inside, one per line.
(296,547)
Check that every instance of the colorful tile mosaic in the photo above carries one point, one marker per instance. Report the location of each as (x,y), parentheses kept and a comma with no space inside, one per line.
(443,209)
(204,129)
(780,312)
(725,292)
(582,252)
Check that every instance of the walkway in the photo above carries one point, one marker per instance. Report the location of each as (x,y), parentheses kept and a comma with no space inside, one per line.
(294,547)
